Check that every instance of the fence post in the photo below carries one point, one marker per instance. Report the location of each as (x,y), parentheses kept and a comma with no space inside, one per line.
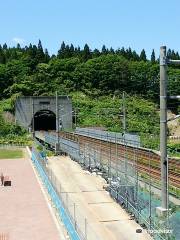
(85,228)
(74,208)
(51,174)
(67,199)
(59,188)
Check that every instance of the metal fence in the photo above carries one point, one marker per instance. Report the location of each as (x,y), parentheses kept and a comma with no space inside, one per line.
(68,211)
(121,166)
(124,138)
(11,146)
(125,183)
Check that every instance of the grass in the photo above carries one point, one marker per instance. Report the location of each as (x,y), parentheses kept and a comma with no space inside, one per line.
(8,154)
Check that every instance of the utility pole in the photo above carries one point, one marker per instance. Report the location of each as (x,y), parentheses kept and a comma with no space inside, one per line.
(124,113)
(57,122)
(163,131)
(75,117)
(57,114)
(163,128)
(32,102)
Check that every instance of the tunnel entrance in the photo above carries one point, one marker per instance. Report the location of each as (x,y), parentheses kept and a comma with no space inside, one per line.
(44,120)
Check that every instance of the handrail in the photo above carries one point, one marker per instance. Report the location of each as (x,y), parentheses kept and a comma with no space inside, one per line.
(55,198)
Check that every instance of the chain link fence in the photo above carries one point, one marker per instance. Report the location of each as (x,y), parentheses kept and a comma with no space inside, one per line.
(132,178)
(77,224)
(12,146)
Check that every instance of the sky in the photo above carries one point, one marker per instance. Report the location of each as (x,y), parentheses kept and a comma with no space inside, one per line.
(137,24)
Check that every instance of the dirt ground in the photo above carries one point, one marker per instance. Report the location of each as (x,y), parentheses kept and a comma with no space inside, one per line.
(24,213)
(104,216)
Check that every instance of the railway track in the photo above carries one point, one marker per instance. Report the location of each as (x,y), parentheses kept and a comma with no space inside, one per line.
(145,161)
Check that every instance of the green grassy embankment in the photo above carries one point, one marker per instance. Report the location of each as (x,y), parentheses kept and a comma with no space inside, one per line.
(9,154)
(142,116)
(10,133)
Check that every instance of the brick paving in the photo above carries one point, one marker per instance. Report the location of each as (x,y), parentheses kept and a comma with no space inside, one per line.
(24,213)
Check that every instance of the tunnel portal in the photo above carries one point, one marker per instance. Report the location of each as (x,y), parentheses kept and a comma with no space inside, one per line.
(44,120)
(39,112)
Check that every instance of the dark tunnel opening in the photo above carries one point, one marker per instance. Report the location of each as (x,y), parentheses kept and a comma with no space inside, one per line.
(44,120)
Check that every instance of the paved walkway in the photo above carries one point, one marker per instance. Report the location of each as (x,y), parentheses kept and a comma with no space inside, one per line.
(105,217)
(24,213)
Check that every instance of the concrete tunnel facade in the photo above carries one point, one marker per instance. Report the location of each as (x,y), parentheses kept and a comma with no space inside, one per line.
(44,113)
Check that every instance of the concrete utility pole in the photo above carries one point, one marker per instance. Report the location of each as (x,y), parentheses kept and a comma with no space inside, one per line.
(163,129)
(57,113)
(75,117)
(124,113)
(32,112)
(57,122)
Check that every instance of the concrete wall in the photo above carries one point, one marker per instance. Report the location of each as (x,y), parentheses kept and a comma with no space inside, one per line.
(26,107)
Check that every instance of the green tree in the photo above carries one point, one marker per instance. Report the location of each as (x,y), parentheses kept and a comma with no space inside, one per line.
(129,54)
(111,51)
(72,50)
(153,57)
(86,53)
(96,53)
(143,56)
(2,56)
(123,52)
(67,52)
(5,46)
(135,56)
(40,53)
(61,51)
(18,46)
(46,56)
(169,53)
(104,50)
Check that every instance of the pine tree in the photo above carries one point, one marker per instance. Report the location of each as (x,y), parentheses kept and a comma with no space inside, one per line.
(72,50)
(61,51)
(18,46)
(67,52)
(86,53)
(104,50)
(7,54)
(177,56)
(135,56)
(143,56)
(31,51)
(5,46)
(173,55)
(111,50)
(118,51)
(77,51)
(2,56)
(129,53)
(96,53)
(40,53)
(153,57)
(169,53)
(46,56)
(123,52)
(53,56)
(14,54)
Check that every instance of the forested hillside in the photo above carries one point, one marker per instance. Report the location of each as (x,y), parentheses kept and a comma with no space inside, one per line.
(94,78)
(31,71)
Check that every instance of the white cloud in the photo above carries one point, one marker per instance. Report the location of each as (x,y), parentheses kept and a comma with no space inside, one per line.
(18,40)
